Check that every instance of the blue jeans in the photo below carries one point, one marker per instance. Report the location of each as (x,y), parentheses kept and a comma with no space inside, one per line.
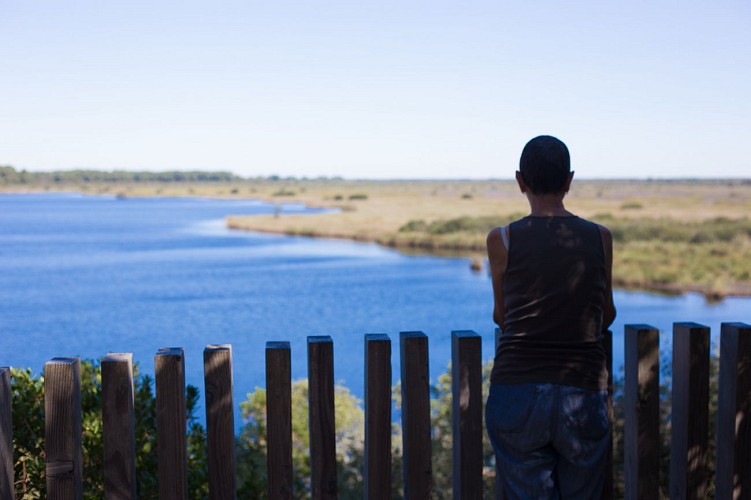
(550,440)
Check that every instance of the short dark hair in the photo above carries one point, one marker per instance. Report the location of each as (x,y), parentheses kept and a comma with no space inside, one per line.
(545,165)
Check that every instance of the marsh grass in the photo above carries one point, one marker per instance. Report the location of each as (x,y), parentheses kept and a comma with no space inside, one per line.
(671,236)
(684,235)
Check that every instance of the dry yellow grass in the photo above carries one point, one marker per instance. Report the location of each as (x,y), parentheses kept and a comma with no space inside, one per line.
(391,204)
(376,210)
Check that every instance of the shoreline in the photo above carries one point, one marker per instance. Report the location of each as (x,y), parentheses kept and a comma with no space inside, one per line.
(661,258)
(471,251)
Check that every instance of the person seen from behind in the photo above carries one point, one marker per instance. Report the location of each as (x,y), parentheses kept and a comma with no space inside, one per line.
(547,412)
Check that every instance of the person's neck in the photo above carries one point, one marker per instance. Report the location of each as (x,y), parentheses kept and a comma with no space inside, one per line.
(547,205)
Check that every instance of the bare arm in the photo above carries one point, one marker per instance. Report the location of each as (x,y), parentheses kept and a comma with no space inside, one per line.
(608,310)
(498,259)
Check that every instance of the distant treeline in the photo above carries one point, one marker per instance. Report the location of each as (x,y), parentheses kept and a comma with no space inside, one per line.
(9,175)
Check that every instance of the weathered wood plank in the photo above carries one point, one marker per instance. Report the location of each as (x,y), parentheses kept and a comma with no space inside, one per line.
(608,492)
(279,419)
(418,471)
(6,435)
(466,415)
(171,423)
(498,493)
(118,426)
(321,417)
(689,452)
(62,429)
(220,420)
(642,412)
(733,470)
(377,416)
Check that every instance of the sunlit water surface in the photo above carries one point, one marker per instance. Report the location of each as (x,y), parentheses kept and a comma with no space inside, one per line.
(86,275)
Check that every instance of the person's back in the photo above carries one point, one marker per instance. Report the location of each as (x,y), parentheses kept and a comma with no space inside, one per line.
(547,409)
(553,306)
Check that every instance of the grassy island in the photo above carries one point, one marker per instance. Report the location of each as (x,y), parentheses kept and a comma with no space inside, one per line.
(670,235)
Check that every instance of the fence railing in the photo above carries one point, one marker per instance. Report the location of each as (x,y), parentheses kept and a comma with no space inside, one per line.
(689,426)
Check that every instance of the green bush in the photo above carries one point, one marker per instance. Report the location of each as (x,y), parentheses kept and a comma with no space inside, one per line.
(283,192)
(350,438)
(28,436)
(481,224)
(632,205)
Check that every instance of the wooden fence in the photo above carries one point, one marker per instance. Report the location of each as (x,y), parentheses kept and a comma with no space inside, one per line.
(689,430)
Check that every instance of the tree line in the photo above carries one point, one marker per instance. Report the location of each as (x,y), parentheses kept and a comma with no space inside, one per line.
(9,176)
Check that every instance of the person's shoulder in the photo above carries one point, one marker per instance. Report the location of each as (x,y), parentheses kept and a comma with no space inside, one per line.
(605,234)
(604,231)
(494,236)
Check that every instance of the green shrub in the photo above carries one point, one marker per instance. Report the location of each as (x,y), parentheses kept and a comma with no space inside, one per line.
(350,438)
(28,436)
(632,205)
(283,192)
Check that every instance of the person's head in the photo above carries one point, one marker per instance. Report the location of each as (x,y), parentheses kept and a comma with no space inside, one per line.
(545,166)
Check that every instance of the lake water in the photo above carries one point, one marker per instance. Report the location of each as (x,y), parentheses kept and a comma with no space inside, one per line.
(86,275)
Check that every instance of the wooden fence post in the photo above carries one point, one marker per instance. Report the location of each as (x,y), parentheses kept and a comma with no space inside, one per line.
(733,471)
(642,412)
(171,423)
(279,419)
(418,471)
(220,420)
(466,415)
(6,435)
(608,492)
(689,453)
(498,493)
(118,423)
(62,428)
(321,419)
(377,474)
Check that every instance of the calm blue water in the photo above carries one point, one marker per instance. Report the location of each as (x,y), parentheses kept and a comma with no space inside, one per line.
(86,275)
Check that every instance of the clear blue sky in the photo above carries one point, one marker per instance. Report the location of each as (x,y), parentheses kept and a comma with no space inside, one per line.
(376,89)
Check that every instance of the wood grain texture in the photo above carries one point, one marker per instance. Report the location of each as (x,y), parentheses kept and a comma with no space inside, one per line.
(498,493)
(418,470)
(642,412)
(689,436)
(279,420)
(6,435)
(321,419)
(220,420)
(118,427)
(466,415)
(733,468)
(62,429)
(377,474)
(608,492)
(171,423)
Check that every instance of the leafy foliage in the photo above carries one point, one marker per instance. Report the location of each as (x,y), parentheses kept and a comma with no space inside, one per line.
(350,422)
(442,437)
(28,436)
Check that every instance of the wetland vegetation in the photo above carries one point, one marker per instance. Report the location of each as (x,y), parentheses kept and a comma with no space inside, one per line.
(670,235)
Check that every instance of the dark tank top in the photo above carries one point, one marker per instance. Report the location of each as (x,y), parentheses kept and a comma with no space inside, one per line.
(553,294)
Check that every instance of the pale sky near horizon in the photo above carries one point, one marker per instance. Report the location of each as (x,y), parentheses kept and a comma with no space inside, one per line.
(386,89)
